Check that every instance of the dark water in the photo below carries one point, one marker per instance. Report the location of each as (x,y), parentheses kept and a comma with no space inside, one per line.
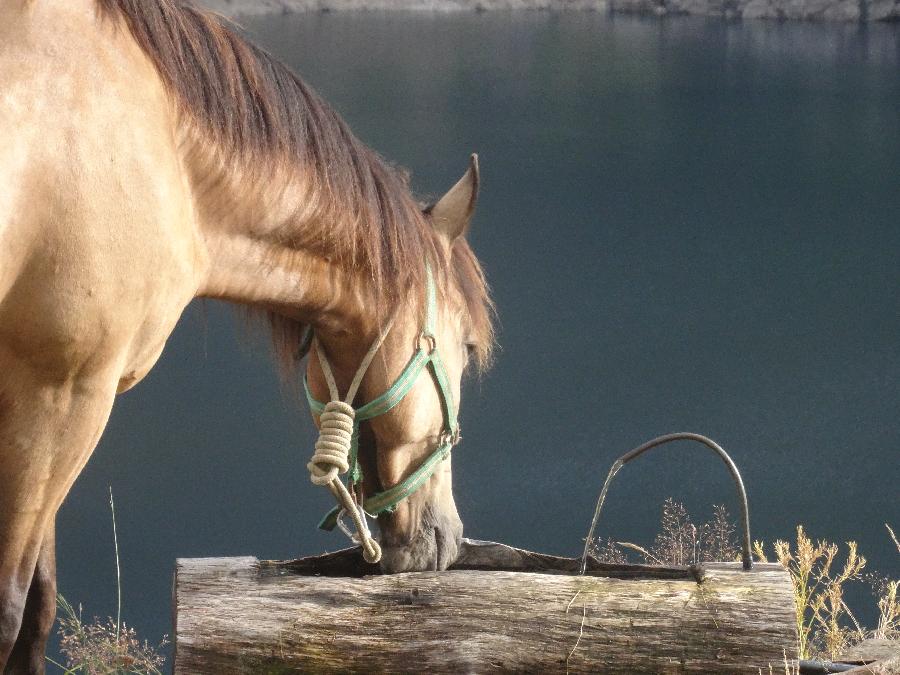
(688,224)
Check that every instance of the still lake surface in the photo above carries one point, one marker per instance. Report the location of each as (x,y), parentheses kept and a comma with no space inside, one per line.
(689,225)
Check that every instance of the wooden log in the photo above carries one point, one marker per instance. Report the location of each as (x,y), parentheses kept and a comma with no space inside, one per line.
(237,615)
(889,666)
(872,650)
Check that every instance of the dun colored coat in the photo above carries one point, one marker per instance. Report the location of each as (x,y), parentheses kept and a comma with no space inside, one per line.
(149,155)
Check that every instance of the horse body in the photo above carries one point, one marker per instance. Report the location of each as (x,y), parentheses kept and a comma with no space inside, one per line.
(100,252)
(97,261)
(121,200)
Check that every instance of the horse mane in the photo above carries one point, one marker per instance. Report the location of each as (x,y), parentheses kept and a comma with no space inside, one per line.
(258,111)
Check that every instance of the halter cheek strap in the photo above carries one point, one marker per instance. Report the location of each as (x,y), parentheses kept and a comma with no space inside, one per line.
(338,446)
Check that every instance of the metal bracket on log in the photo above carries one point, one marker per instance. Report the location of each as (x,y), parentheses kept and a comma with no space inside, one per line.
(498,609)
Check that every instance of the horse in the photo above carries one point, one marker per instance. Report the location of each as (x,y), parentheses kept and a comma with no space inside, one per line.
(150,155)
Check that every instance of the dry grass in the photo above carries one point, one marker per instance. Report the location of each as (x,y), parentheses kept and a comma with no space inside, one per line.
(105,647)
(791,667)
(819,572)
(679,541)
(825,625)
(886,591)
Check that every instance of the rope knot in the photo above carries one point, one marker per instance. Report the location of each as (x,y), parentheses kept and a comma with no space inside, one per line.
(331,457)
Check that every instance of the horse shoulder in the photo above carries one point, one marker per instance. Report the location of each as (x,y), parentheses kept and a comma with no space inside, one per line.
(99,252)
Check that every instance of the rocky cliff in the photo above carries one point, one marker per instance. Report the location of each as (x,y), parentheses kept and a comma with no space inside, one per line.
(831,10)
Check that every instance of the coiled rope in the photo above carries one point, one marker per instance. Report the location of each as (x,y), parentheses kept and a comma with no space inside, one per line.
(331,458)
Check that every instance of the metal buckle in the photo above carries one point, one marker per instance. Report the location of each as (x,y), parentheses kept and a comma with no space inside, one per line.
(354,536)
(429,338)
(450,437)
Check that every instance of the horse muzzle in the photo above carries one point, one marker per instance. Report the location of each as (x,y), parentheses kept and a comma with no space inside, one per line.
(433,547)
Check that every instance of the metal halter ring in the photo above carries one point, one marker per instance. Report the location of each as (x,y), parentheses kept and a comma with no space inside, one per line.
(429,338)
(449,437)
(355,537)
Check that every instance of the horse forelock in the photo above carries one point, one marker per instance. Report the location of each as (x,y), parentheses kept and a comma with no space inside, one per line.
(261,114)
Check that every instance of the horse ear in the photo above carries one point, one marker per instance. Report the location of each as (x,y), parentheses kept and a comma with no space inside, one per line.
(452,213)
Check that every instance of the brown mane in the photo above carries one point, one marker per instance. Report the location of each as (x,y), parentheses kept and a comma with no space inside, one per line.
(256,109)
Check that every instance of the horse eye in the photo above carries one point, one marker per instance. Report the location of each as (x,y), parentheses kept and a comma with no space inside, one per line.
(470,348)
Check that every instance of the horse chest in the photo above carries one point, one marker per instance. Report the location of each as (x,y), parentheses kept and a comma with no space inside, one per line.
(69,314)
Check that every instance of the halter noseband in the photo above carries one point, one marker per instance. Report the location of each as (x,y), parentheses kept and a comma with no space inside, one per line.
(338,446)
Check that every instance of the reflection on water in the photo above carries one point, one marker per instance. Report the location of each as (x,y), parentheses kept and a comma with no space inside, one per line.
(689,225)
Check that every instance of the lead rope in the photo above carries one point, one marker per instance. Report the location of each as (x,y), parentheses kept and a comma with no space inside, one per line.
(332,455)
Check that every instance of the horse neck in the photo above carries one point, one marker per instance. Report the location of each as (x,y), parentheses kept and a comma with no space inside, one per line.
(254,226)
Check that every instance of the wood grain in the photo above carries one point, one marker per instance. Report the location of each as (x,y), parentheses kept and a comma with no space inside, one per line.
(235,615)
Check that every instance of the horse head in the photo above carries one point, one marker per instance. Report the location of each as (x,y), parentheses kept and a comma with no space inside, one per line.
(404,373)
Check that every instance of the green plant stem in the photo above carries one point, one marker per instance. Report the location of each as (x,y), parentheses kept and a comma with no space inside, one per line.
(66,671)
(112,508)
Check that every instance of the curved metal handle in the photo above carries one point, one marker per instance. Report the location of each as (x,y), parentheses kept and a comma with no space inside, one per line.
(746,557)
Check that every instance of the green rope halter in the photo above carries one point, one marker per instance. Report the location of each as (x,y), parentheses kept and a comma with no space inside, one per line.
(424,357)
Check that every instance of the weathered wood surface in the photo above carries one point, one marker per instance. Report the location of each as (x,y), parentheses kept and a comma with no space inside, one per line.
(882,657)
(236,615)
(872,650)
(889,666)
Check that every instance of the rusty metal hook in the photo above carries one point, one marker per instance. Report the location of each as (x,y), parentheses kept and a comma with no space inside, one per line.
(746,557)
